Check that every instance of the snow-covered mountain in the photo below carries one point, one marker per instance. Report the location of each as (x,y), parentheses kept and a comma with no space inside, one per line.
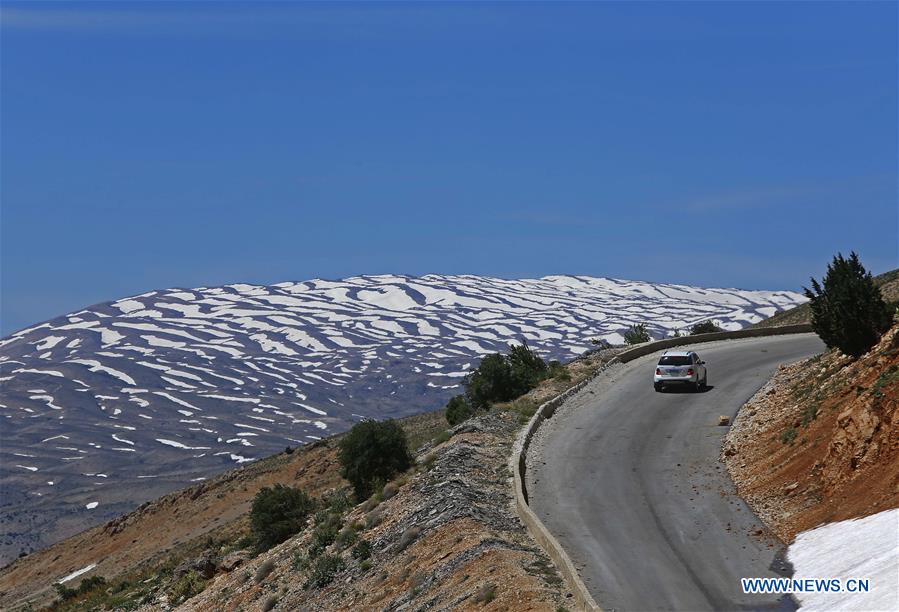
(109,406)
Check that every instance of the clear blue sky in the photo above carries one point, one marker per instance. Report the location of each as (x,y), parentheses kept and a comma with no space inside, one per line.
(155,145)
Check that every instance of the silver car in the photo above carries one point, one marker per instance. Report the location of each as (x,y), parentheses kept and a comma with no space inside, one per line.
(683,368)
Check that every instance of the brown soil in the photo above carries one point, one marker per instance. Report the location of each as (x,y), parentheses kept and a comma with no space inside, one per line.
(155,530)
(820,442)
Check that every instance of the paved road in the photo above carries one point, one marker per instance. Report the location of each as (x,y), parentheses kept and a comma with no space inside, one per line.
(633,489)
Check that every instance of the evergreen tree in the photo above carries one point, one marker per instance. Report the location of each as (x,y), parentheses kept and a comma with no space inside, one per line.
(848,311)
(371,453)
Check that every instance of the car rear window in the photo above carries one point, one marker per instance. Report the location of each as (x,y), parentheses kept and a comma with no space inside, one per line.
(675,360)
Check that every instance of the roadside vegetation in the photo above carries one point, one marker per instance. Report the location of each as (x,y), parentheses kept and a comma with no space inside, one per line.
(848,310)
(520,381)
(500,378)
(704,327)
(636,334)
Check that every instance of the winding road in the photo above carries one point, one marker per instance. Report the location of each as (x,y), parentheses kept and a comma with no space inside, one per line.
(629,482)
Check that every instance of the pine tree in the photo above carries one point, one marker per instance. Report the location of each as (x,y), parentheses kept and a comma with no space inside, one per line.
(848,311)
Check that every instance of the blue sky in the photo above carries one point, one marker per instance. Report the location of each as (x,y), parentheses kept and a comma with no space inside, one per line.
(156,145)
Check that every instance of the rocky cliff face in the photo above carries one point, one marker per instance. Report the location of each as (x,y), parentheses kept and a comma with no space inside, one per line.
(820,442)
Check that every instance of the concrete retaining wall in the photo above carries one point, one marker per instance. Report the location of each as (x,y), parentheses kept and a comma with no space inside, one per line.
(658,345)
(582,598)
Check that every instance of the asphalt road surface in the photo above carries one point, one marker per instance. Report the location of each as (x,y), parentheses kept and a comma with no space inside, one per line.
(629,482)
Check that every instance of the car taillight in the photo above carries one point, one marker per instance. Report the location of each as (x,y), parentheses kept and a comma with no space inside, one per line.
(690,372)
(658,372)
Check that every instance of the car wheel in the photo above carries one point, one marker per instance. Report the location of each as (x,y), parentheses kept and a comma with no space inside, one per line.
(698,386)
(658,387)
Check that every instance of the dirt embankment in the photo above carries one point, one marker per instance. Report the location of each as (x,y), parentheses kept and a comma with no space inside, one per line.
(820,442)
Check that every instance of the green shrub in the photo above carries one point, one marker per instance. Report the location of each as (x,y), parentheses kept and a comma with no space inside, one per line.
(458,409)
(442,437)
(346,537)
(323,571)
(490,382)
(324,534)
(704,327)
(848,311)
(300,561)
(809,414)
(187,586)
(270,603)
(362,550)
(485,594)
(373,451)
(338,502)
(89,584)
(86,586)
(558,371)
(65,593)
(278,513)
(888,376)
(501,378)
(528,369)
(636,334)
(788,435)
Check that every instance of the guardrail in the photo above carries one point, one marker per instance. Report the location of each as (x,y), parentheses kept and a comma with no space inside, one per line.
(582,598)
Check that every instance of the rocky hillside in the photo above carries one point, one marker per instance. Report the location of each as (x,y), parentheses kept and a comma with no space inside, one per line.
(820,442)
(889,289)
(125,401)
(443,535)
(445,538)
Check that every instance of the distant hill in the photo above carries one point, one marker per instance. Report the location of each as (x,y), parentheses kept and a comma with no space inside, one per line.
(126,401)
(889,288)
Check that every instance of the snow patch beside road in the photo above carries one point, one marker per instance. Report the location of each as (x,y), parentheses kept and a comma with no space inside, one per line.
(857,549)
